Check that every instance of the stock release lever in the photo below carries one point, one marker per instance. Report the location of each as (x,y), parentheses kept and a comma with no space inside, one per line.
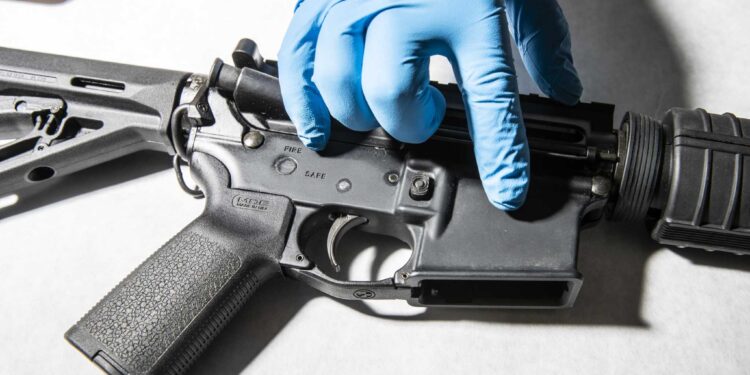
(340,227)
(18,114)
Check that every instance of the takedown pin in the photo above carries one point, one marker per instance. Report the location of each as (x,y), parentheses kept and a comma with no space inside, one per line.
(340,226)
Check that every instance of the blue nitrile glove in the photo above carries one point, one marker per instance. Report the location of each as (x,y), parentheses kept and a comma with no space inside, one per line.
(366,63)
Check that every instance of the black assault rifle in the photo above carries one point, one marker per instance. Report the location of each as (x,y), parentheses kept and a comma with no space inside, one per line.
(272,205)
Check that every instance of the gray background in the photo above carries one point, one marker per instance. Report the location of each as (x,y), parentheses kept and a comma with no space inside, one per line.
(642,308)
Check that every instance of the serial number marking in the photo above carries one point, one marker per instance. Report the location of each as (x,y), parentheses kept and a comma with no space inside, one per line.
(315,175)
(27,76)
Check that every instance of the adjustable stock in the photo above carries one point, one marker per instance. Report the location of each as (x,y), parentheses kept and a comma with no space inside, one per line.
(63,114)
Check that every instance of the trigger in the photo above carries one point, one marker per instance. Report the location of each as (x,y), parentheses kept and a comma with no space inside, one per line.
(339,228)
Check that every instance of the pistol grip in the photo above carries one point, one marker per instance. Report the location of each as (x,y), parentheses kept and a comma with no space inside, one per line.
(166,312)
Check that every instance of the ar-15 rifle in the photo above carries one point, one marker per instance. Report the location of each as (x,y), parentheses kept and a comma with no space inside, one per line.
(269,200)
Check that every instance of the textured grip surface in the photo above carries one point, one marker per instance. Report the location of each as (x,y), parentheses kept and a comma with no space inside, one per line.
(165,313)
(174,285)
(151,315)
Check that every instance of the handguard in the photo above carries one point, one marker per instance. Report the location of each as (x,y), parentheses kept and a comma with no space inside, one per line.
(274,207)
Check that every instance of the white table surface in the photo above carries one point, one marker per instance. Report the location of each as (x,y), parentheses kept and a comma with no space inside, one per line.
(642,309)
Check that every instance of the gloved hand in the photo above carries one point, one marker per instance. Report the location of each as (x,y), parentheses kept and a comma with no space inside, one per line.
(366,63)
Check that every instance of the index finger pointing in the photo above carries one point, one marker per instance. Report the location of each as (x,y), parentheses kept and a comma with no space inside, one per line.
(302,99)
(484,66)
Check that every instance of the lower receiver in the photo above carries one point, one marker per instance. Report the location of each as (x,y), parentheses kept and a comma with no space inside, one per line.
(276,208)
